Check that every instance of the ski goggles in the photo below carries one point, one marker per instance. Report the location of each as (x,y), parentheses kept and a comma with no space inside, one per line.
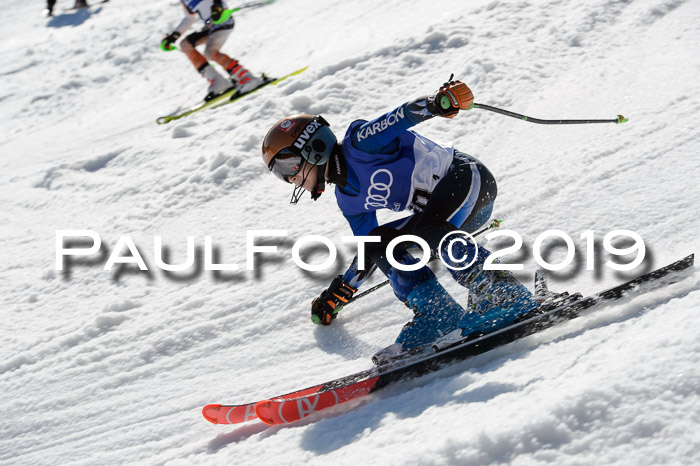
(285,164)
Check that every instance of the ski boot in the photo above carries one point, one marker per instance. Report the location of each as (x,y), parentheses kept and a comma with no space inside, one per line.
(435,314)
(497,298)
(242,79)
(218,85)
(482,318)
(248,83)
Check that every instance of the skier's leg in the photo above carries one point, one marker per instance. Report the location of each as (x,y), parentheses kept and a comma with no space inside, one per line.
(49,6)
(217,83)
(212,50)
(464,197)
(497,298)
(243,79)
(435,311)
(188,47)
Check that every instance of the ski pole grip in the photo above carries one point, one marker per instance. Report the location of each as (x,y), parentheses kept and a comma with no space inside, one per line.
(225,16)
(167,47)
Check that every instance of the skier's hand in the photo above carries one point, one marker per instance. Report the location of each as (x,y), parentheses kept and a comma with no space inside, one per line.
(166,44)
(325,308)
(452,97)
(217,10)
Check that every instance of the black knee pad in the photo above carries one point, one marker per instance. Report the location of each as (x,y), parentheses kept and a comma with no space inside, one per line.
(195,37)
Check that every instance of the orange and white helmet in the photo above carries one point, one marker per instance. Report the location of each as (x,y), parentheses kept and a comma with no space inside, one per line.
(294,138)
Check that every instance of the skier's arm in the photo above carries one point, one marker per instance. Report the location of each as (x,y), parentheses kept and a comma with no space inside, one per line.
(187,22)
(379,135)
(353,276)
(375,136)
(325,308)
(361,225)
(167,43)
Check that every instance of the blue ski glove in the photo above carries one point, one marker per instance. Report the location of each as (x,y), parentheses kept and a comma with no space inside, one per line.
(325,308)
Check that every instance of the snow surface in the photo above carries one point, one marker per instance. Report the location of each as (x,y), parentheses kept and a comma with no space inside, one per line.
(100,367)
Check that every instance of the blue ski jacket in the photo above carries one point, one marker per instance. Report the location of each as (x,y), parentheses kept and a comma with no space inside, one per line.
(391,167)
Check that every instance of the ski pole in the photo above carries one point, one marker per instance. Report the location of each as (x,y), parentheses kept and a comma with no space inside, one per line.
(618,120)
(495,223)
(226,14)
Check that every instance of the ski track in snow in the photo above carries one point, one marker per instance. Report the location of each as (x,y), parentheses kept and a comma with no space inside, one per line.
(102,367)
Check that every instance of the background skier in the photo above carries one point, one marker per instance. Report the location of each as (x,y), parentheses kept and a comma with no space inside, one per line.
(50,4)
(383,164)
(213,36)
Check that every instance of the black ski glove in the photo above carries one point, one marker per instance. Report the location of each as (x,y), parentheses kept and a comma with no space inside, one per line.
(325,308)
(169,40)
(452,97)
(217,10)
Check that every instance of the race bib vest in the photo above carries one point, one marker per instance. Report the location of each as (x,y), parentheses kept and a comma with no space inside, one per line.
(397,181)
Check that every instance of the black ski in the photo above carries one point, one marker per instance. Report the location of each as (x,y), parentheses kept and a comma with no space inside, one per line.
(478,343)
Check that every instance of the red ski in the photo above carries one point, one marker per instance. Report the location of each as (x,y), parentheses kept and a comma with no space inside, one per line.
(217,414)
(306,399)
(292,408)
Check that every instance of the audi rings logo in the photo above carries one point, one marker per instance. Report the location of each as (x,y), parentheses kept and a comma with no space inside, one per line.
(379,191)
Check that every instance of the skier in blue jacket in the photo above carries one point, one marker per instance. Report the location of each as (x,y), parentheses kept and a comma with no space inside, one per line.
(383,164)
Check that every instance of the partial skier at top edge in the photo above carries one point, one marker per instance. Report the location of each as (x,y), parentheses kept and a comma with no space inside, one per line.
(213,36)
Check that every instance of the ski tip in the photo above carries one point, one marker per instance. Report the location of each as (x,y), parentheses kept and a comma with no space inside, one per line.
(294,73)
(264,412)
(210,413)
